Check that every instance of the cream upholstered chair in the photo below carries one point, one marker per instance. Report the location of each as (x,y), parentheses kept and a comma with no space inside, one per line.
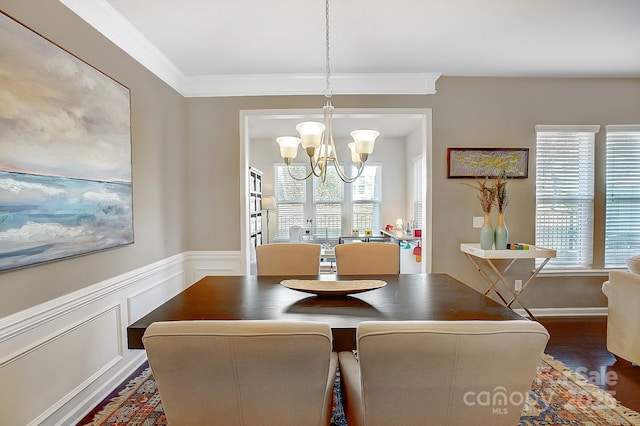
(367,258)
(623,294)
(243,372)
(441,372)
(288,259)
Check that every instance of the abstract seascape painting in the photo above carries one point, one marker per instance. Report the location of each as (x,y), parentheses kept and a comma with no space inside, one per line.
(65,153)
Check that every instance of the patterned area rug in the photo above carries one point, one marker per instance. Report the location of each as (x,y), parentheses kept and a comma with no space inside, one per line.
(558,396)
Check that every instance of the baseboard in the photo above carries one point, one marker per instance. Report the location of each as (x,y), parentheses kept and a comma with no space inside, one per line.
(565,312)
(78,411)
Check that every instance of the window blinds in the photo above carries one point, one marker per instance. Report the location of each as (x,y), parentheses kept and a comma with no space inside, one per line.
(333,207)
(565,192)
(366,197)
(291,196)
(622,217)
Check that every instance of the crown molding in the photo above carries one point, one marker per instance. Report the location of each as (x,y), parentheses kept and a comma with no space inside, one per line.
(106,20)
(110,23)
(309,84)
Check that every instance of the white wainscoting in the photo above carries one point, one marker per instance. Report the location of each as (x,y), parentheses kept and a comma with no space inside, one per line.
(60,359)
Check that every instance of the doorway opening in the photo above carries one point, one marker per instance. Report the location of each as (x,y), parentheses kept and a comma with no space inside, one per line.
(410,127)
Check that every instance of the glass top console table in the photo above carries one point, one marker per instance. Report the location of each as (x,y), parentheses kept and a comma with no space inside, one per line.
(475,254)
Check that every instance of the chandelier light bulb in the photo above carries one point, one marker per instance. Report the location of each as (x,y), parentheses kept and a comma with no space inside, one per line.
(355,157)
(364,140)
(288,146)
(310,133)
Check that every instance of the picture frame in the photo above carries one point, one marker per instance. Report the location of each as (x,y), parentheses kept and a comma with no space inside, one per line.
(512,163)
(65,166)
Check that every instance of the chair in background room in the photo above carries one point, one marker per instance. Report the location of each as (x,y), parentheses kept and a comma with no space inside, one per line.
(243,372)
(441,372)
(367,258)
(288,259)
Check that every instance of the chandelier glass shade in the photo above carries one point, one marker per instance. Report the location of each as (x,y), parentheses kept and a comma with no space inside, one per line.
(317,139)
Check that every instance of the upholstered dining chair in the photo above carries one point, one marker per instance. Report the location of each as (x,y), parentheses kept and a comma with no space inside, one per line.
(288,259)
(441,372)
(367,258)
(243,372)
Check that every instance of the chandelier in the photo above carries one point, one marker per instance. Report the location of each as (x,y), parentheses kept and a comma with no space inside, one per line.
(317,138)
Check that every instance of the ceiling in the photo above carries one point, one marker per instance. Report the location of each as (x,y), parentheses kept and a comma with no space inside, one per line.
(258,47)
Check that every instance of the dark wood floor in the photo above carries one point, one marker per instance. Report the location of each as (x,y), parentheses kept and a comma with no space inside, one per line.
(579,342)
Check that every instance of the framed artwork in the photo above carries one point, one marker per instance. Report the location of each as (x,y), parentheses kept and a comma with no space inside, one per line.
(65,157)
(487,162)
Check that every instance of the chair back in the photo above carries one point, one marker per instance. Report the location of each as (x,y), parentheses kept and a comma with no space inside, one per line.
(443,372)
(288,259)
(243,372)
(372,258)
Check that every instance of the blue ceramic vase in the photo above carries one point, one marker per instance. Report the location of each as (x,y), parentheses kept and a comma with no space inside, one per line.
(486,234)
(501,233)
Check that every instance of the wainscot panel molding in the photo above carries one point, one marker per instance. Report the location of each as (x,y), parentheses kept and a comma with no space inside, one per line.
(203,263)
(60,359)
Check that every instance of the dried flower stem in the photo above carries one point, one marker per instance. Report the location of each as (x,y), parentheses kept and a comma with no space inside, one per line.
(502,199)
(486,194)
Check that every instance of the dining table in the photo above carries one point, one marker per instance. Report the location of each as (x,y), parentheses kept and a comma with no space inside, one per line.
(402,297)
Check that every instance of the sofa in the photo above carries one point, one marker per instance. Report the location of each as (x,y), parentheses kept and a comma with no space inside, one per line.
(623,321)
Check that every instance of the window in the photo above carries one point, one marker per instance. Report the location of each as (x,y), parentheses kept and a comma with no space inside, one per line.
(328,197)
(291,196)
(622,217)
(366,199)
(565,193)
(333,207)
(417,193)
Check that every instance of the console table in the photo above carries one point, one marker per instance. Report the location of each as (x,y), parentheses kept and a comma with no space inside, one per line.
(473,252)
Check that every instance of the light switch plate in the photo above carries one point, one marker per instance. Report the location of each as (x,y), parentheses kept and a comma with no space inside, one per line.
(478,221)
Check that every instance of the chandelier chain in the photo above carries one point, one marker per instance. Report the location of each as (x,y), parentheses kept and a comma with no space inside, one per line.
(327,91)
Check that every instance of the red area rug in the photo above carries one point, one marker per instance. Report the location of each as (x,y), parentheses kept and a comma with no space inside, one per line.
(558,396)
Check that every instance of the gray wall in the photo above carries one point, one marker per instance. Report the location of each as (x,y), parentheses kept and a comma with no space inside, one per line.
(158,155)
(186,166)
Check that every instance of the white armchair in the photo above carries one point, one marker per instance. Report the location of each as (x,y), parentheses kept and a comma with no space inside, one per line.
(437,372)
(623,292)
(243,372)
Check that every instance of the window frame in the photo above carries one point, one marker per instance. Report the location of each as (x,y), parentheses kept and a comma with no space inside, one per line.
(577,206)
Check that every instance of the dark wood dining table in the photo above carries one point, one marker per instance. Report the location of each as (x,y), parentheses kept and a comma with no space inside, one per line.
(405,297)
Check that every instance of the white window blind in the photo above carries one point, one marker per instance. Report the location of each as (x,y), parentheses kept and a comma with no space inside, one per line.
(366,196)
(565,192)
(622,217)
(328,197)
(291,195)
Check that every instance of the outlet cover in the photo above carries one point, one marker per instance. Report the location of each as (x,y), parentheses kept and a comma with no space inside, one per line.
(518,285)
(478,221)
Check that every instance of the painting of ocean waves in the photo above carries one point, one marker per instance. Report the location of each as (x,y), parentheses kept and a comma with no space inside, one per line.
(65,153)
(45,217)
